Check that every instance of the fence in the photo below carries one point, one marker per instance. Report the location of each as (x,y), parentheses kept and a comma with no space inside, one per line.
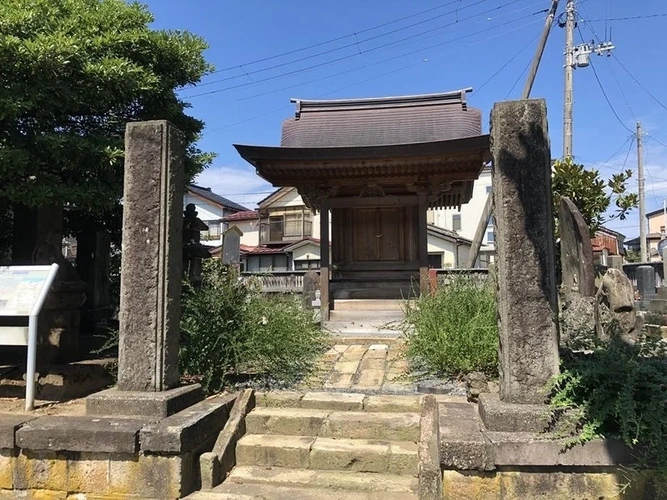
(631,271)
(279,281)
(445,275)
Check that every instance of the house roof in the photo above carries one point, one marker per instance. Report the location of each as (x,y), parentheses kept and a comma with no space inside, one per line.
(272,195)
(446,233)
(635,241)
(381,121)
(301,243)
(243,215)
(261,250)
(655,212)
(611,232)
(209,195)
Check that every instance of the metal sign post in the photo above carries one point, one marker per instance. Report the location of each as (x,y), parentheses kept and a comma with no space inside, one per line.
(23,290)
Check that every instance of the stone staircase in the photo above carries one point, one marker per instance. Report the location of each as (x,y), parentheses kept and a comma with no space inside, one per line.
(365,318)
(326,446)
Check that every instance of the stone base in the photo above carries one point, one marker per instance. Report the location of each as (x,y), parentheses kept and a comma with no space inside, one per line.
(511,417)
(147,404)
(108,458)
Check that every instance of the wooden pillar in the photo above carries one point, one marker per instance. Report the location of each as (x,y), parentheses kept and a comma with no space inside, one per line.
(324,258)
(423,246)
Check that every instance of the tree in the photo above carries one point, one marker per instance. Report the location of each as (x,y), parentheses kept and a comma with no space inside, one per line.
(587,191)
(72,74)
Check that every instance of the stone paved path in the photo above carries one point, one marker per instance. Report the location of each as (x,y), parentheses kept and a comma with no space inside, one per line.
(368,368)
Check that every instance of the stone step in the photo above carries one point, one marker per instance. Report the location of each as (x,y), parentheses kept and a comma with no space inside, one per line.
(339,401)
(257,491)
(363,328)
(319,453)
(367,305)
(377,316)
(334,424)
(340,480)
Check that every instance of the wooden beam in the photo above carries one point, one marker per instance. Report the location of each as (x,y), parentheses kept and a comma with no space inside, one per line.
(324,258)
(481,230)
(375,201)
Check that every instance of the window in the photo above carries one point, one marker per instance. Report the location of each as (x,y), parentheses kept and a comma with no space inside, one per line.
(435,260)
(456,222)
(490,237)
(213,232)
(488,189)
(304,265)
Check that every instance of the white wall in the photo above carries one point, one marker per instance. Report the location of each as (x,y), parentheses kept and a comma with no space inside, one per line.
(444,248)
(470,213)
(309,251)
(250,230)
(207,212)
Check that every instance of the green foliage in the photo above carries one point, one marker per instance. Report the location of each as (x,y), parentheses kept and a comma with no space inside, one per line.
(73,73)
(455,330)
(231,331)
(621,393)
(586,189)
(633,256)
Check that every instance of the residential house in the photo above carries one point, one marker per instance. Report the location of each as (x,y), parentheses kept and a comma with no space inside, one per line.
(212,209)
(279,237)
(607,242)
(465,220)
(657,222)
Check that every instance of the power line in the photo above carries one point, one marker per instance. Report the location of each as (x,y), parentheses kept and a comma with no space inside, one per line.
(639,83)
(355,43)
(283,108)
(649,16)
(604,93)
(327,77)
(336,39)
(372,49)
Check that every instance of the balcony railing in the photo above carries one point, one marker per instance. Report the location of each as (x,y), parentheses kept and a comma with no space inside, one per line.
(278,282)
(280,231)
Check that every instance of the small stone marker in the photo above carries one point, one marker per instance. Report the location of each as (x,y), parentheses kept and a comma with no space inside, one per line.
(615,262)
(646,284)
(231,246)
(526,291)
(150,304)
(576,251)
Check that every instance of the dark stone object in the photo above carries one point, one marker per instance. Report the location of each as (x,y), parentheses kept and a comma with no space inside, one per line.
(576,251)
(646,283)
(9,424)
(526,281)
(152,260)
(74,433)
(476,384)
(139,403)
(188,429)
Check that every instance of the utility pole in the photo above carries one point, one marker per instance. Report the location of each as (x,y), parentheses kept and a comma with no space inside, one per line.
(569,70)
(642,208)
(487,212)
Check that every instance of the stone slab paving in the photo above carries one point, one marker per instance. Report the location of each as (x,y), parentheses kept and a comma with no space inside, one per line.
(368,368)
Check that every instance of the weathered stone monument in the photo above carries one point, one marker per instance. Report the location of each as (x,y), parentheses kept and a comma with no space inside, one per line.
(646,285)
(577,266)
(526,281)
(615,307)
(577,291)
(151,276)
(231,246)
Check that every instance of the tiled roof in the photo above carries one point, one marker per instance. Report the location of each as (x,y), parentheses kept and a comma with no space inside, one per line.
(448,233)
(261,250)
(209,195)
(381,121)
(244,215)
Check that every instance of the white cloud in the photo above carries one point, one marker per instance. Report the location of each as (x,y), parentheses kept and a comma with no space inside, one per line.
(239,184)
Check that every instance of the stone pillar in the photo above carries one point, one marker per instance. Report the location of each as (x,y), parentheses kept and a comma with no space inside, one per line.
(615,262)
(526,284)
(150,303)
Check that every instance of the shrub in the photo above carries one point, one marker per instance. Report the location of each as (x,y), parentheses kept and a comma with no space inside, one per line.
(620,391)
(454,331)
(231,332)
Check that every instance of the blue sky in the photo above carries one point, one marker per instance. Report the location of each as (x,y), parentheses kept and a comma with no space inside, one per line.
(369,48)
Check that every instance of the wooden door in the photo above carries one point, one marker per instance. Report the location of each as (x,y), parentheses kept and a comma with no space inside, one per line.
(377,234)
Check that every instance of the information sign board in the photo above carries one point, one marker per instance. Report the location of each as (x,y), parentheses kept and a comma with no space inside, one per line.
(23,290)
